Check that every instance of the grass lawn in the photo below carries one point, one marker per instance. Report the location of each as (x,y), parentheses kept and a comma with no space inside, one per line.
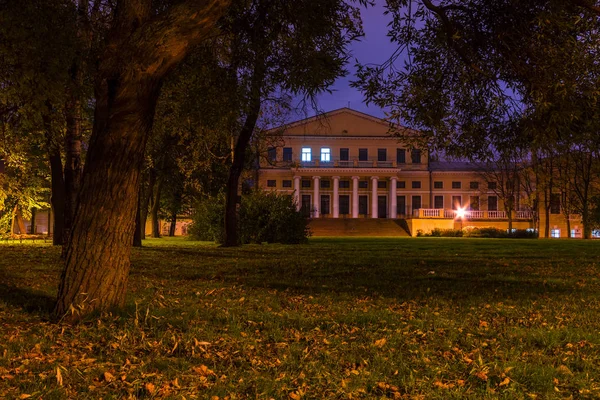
(406,318)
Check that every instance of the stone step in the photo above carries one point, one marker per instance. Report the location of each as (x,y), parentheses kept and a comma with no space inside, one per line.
(358,227)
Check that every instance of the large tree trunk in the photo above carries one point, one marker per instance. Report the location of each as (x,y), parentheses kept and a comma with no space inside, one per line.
(138,55)
(173,224)
(73,166)
(237,166)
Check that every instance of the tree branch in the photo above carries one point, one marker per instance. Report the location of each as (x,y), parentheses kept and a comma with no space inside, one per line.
(589,5)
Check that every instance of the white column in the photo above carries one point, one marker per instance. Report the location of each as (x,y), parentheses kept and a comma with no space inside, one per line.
(355,197)
(336,197)
(316,197)
(393,198)
(297,192)
(374,180)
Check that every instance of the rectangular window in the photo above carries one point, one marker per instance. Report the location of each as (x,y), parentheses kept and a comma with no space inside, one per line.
(362,205)
(474,203)
(555,233)
(456,185)
(363,184)
(416,202)
(401,205)
(438,202)
(363,155)
(325,184)
(474,185)
(344,154)
(492,186)
(325,154)
(305,183)
(381,184)
(287,183)
(381,154)
(272,154)
(344,184)
(456,202)
(325,204)
(271,183)
(492,203)
(416,156)
(306,206)
(401,185)
(401,156)
(438,185)
(287,154)
(306,154)
(416,184)
(344,204)
(555,203)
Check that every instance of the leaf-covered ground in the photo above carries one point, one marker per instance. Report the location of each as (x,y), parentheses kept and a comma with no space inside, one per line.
(353,318)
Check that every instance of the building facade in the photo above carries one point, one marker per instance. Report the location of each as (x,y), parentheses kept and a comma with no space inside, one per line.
(345,164)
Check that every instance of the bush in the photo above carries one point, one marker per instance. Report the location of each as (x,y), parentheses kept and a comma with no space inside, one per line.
(491,232)
(437,232)
(263,217)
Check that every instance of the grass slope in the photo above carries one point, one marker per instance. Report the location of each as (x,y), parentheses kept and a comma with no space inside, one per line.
(336,318)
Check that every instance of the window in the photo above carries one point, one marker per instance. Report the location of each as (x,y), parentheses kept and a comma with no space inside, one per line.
(306,154)
(325,184)
(305,183)
(416,202)
(438,185)
(416,156)
(325,204)
(287,183)
(456,202)
(381,154)
(287,154)
(325,154)
(363,184)
(401,185)
(438,202)
(401,156)
(473,185)
(401,205)
(416,184)
(271,183)
(363,154)
(555,233)
(272,154)
(555,203)
(344,184)
(362,205)
(456,185)
(344,204)
(306,206)
(474,203)
(492,185)
(344,154)
(492,203)
(381,184)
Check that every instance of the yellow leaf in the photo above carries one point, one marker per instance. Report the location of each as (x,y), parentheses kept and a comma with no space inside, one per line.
(59,378)
(505,382)
(24,396)
(381,342)
(294,396)
(442,385)
(481,375)
(150,388)
(108,377)
(204,370)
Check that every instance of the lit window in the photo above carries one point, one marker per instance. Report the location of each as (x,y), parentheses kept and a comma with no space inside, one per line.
(306,154)
(555,233)
(325,154)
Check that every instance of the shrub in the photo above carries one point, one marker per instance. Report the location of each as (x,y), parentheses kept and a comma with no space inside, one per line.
(437,232)
(263,217)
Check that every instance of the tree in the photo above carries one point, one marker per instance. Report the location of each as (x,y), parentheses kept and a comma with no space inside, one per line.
(142,47)
(278,47)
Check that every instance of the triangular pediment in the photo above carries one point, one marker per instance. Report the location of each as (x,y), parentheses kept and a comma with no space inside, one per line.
(340,123)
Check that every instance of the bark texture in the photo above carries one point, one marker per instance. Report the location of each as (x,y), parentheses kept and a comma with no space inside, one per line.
(141,50)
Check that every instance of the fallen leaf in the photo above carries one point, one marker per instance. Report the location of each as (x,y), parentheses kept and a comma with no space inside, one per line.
(380,343)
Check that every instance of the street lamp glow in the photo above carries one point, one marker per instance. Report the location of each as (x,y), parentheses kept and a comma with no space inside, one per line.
(460,212)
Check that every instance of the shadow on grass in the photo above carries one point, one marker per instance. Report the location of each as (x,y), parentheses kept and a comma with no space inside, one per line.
(32,301)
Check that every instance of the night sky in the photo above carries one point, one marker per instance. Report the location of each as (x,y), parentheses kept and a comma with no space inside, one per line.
(375,48)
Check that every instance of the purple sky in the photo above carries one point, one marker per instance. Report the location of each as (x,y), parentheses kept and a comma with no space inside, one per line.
(374,47)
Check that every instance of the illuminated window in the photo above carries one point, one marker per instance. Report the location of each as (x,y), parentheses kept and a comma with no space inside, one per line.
(306,154)
(555,233)
(325,154)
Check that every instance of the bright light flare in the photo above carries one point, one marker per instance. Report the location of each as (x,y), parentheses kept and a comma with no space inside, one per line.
(460,212)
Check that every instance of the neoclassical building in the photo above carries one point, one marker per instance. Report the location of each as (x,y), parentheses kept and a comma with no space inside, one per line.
(344,164)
